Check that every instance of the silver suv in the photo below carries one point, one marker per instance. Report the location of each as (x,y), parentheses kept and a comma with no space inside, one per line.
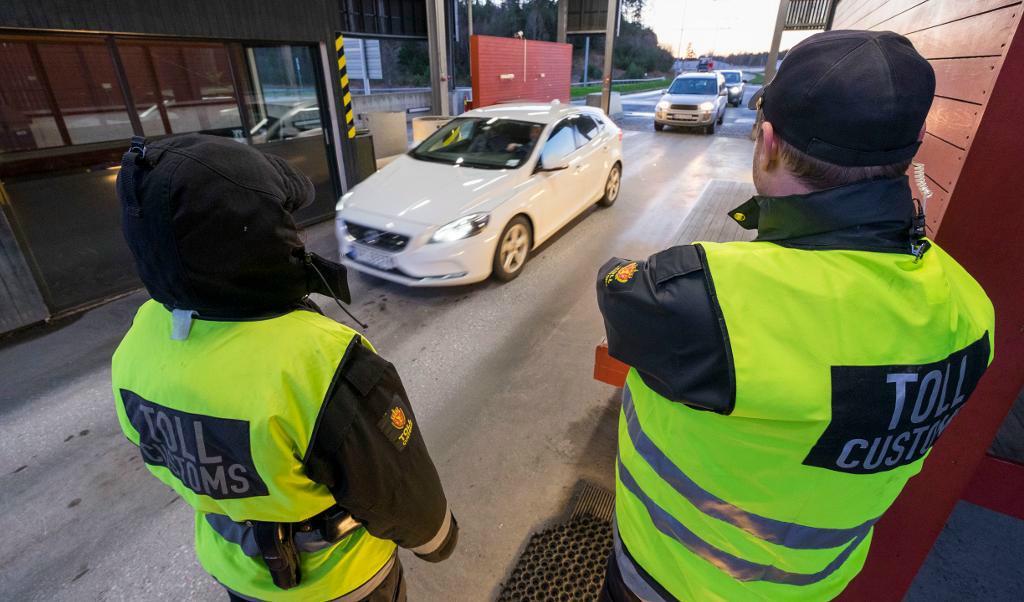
(693,100)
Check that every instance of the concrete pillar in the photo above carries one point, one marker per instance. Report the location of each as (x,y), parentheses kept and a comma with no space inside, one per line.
(773,54)
(586,58)
(437,44)
(562,21)
(609,50)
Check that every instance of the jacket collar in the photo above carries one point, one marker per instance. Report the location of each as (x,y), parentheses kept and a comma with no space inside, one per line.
(871,215)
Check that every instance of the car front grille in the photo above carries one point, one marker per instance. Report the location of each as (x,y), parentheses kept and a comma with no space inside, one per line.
(685,107)
(378,239)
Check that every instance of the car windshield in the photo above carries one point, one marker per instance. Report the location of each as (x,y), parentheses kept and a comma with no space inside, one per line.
(731,77)
(694,85)
(493,143)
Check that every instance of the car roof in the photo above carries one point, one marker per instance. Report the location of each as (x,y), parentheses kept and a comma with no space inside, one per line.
(538,112)
(697,75)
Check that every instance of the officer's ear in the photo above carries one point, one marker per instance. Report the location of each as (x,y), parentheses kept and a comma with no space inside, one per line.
(769,146)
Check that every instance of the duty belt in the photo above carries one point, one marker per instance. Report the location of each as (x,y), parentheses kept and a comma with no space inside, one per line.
(279,544)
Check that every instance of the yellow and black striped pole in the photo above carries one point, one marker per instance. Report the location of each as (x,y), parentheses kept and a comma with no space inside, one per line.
(346,94)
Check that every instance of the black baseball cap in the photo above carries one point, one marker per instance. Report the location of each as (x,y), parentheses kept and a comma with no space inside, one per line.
(209,223)
(852,98)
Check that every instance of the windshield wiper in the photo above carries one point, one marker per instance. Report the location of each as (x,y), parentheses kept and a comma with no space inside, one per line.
(416,155)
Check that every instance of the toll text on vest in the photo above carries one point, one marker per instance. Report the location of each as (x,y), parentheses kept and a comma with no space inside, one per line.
(209,455)
(884,417)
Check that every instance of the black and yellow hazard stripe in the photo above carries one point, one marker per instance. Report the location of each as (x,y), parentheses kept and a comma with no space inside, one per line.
(346,94)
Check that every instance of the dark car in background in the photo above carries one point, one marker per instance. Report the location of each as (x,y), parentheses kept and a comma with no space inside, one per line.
(736,86)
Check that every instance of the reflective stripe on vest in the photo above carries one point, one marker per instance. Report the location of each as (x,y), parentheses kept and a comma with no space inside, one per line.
(791,535)
(737,568)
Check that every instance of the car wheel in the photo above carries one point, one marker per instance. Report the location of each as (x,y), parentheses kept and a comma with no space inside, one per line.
(611,186)
(710,129)
(721,118)
(513,249)
(658,127)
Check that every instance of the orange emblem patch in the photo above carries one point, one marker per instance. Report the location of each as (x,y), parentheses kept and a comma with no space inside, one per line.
(626,272)
(397,418)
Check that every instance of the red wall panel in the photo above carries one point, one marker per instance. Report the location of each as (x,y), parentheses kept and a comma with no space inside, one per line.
(505,69)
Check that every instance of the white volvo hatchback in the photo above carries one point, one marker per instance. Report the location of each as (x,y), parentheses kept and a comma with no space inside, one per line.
(477,196)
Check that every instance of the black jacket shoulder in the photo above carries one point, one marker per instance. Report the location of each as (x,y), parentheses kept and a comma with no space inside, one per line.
(367,448)
(661,317)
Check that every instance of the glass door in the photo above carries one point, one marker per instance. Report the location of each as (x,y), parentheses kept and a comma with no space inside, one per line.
(285,114)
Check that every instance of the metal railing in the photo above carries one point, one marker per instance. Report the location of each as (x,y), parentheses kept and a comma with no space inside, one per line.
(615,82)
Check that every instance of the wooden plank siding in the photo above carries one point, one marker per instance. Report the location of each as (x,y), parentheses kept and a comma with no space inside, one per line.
(965,43)
(967,79)
(942,161)
(953,121)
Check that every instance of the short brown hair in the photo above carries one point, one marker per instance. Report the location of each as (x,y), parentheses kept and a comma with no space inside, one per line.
(820,175)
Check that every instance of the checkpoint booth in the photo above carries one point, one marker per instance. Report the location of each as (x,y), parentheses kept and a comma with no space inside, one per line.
(971,153)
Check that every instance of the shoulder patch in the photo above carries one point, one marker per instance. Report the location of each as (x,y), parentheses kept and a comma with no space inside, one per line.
(396,424)
(620,277)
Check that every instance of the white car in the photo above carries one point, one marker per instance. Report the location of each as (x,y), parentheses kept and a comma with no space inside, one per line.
(478,195)
(693,100)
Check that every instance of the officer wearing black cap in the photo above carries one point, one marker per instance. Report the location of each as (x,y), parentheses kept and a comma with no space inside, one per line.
(292,440)
(783,391)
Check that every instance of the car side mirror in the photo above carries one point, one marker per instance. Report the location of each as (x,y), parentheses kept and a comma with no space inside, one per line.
(746,81)
(550,164)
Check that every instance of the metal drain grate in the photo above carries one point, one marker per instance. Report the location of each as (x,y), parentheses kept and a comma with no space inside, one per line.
(566,562)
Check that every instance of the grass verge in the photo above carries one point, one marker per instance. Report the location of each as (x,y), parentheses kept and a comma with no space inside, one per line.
(580,91)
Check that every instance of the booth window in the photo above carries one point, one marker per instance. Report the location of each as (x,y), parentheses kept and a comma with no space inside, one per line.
(26,116)
(282,100)
(179,88)
(87,91)
(56,94)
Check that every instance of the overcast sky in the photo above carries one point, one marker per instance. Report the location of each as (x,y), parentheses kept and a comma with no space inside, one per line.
(722,26)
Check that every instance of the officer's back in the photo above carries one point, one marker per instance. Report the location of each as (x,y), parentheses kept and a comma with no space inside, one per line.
(784,390)
(290,437)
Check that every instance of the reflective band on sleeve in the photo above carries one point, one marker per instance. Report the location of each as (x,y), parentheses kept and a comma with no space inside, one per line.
(439,538)
(236,533)
(791,535)
(737,568)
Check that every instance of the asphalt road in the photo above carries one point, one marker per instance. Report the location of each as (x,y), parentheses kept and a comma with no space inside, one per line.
(499,376)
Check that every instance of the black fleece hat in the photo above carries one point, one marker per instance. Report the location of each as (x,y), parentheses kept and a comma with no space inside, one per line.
(853,98)
(209,222)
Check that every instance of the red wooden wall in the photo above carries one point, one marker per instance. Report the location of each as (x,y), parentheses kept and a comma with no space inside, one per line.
(965,41)
(972,155)
(504,69)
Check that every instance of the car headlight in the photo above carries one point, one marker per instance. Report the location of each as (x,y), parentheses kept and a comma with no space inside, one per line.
(464,227)
(735,89)
(663,105)
(707,106)
(342,201)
